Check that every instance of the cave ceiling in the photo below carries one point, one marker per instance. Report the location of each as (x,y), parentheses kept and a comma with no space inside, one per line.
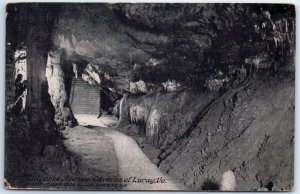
(155,43)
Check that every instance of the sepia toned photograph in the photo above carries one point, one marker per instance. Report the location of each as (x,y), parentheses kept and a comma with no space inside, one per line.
(149,96)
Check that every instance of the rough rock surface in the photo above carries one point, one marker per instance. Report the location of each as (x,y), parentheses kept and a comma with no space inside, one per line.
(247,130)
(160,42)
(250,131)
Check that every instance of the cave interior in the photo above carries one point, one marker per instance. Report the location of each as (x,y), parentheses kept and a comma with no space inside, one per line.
(202,88)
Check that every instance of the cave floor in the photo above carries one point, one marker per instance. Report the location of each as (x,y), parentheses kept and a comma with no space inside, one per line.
(115,154)
(94,147)
(92,120)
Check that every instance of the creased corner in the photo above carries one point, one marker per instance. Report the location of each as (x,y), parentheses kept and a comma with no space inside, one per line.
(7,185)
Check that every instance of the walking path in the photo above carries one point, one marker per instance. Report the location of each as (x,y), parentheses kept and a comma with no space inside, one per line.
(96,150)
(111,152)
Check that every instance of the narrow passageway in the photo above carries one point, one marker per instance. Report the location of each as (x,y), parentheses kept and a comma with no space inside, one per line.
(115,154)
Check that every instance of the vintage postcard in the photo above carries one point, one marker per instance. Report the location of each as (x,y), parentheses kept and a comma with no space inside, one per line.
(150,96)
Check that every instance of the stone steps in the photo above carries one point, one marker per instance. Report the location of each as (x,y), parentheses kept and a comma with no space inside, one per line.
(84,98)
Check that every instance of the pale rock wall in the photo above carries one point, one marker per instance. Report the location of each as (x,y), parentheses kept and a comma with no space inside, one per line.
(171,85)
(138,87)
(57,91)
(163,117)
(91,75)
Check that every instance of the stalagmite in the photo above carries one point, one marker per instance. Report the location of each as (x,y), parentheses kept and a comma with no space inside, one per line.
(228,181)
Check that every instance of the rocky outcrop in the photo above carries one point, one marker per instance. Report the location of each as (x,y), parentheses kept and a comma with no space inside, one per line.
(159,121)
(249,131)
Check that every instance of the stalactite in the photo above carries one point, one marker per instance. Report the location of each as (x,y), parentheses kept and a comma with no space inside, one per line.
(153,126)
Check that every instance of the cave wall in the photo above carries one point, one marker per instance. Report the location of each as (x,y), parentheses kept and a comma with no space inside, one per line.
(9,77)
(160,121)
(249,131)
